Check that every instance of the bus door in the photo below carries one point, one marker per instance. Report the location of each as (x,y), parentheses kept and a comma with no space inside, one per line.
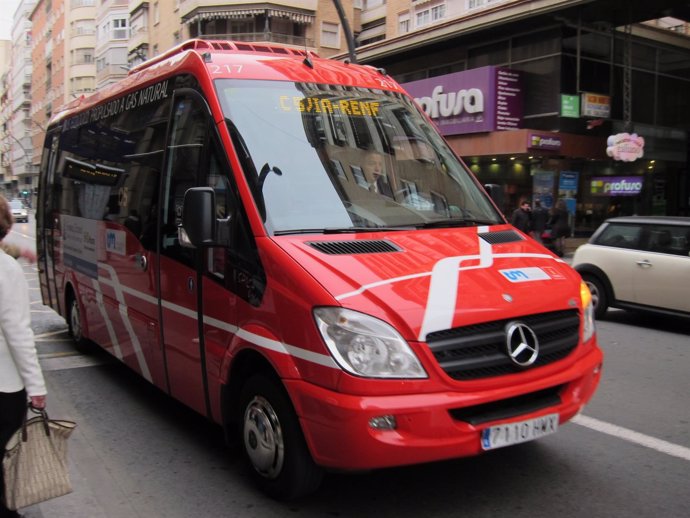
(179,274)
(48,222)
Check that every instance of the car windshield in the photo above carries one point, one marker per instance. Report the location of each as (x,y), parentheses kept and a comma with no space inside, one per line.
(329,158)
(16,204)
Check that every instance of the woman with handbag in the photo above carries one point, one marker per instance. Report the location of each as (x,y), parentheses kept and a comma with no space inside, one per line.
(20,372)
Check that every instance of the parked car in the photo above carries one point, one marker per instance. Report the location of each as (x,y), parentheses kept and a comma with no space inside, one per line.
(19,212)
(638,263)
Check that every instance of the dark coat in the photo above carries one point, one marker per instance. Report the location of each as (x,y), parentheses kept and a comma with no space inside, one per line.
(559,223)
(521,220)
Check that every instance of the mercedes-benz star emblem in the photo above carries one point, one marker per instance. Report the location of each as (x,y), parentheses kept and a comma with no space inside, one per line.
(522,344)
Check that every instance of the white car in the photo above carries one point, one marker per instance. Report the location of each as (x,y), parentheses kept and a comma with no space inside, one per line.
(19,212)
(638,262)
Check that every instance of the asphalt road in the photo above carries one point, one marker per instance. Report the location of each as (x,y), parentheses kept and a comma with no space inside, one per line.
(137,453)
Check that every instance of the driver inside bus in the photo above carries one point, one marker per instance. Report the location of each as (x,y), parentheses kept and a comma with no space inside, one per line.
(373,167)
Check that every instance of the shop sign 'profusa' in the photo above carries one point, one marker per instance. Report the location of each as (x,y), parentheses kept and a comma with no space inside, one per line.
(483,99)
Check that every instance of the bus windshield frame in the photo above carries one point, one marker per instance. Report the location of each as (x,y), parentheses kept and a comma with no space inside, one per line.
(330,158)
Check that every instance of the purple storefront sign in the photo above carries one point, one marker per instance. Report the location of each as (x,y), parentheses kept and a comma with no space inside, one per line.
(547,142)
(483,99)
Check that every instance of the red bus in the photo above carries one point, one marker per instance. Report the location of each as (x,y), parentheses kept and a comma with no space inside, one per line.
(287,245)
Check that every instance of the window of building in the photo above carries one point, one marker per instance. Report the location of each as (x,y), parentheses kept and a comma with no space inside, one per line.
(120,29)
(481,4)
(430,14)
(49,75)
(330,35)
(80,85)
(371,4)
(243,26)
(404,23)
(83,27)
(82,56)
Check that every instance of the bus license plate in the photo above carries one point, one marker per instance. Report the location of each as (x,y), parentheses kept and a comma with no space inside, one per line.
(515,433)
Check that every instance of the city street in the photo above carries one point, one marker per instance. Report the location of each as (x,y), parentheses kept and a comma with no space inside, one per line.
(138,453)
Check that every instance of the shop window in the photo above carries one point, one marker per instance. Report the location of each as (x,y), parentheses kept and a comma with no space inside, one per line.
(673,104)
(674,63)
(535,45)
(491,54)
(595,76)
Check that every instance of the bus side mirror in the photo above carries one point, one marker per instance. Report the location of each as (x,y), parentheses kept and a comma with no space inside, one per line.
(198,226)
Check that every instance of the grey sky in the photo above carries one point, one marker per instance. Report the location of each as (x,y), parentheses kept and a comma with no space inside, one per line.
(7,9)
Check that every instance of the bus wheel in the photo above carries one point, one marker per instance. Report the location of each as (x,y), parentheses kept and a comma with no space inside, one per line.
(273,443)
(74,322)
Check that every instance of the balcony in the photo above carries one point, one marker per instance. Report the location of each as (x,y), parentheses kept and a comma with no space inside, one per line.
(139,36)
(254,37)
(189,9)
(375,13)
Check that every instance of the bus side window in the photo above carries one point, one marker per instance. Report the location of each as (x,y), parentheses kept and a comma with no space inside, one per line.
(235,263)
(188,135)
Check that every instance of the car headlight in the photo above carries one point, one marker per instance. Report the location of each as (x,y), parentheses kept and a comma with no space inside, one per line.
(366,346)
(588,312)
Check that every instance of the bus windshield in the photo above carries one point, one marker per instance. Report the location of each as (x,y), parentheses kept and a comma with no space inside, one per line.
(330,158)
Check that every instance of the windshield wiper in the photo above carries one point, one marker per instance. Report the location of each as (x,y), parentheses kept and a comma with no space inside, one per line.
(333,230)
(450,223)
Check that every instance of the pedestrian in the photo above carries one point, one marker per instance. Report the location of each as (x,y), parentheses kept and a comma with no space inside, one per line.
(521,218)
(21,378)
(539,218)
(560,228)
(18,252)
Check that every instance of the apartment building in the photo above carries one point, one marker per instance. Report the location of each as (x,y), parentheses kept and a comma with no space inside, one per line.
(63,43)
(17,176)
(7,177)
(314,24)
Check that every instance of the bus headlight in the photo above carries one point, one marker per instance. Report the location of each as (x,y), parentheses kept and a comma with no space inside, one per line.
(366,346)
(587,313)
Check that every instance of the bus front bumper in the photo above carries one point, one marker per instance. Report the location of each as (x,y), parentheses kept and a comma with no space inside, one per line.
(428,427)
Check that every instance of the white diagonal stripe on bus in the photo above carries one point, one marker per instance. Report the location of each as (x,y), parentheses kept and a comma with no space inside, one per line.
(122,307)
(258,340)
(298,352)
(443,289)
(108,323)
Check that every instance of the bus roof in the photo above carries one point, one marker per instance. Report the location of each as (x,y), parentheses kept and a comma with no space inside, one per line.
(236,60)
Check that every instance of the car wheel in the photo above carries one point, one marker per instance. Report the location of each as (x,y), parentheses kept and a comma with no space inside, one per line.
(273,443)
(596,287)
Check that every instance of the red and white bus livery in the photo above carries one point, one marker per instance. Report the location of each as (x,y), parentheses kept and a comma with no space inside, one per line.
(288,246)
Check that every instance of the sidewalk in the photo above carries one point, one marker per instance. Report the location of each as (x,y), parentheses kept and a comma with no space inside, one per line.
(571,244)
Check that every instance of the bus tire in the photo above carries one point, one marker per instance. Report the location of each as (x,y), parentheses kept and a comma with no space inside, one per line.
(75,325)
(272,441)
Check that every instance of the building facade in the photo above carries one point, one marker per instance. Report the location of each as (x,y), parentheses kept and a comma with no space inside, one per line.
(18,176)
(112,41)
(590,78)
(7,174)
(567,83)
